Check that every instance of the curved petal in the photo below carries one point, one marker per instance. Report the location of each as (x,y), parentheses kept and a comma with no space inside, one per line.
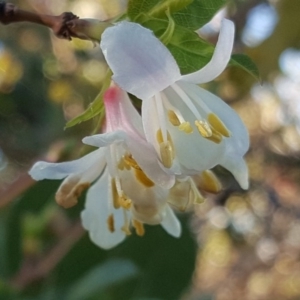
(239,170)
(140,63)
(170,223)
(219,59)
(44,170)
(120,112)
(147,159)
(98,208)
(104,139)
(238,142)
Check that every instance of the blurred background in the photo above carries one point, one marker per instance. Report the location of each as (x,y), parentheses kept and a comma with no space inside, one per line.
(237,245)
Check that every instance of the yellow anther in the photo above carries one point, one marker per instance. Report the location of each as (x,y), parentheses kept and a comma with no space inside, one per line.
(69,192)
(195,196)
(159,136)
(111,223)
(173,118)
(218,125)
(209,182)
(166,153)
(121,164)
(125,202)
(114,192)
(143,178)
(139,227)
(186,127)
(130,162)
(166,149)
(204,128)
(216,137)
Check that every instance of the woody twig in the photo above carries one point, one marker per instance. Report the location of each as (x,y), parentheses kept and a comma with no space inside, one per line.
(64,26)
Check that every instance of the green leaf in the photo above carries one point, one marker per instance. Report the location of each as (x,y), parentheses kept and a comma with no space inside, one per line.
(190,14)
(246,63)
(198,13)
(165,273)
(101,277)
(155,8)
(137,7)
(95,108)
(191,52)
(159,11)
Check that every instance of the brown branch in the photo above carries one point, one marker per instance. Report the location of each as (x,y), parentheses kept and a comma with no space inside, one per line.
(9,13)
(15,189)
(30,273)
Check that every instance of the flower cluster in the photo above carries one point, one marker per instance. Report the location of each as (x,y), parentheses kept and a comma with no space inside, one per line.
(143,164)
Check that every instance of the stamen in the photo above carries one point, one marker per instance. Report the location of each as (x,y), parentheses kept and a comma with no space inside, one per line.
(195,195)
(159,136)
(161,116)
(125,228)
(209,182)
(69,192)
(186,127)
(111,223)
(121,164)
(139,173)
(188,102)
(218,125)
(139,227)
(173,118)
(216,137)
(204,128)
(143,178)
(169,106)
(130,162)
(119,198)
(124,201)
(167,152)
(115,194)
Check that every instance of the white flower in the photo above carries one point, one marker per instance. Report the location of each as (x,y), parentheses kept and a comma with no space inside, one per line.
(191,129)
(124,195)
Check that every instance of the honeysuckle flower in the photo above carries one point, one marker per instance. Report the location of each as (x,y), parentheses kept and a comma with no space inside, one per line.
(191,129)
(123,195)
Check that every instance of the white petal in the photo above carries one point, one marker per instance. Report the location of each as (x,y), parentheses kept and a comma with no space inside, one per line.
(104,139)
(43,170)
(150,122)
(239,170)
(140,63)
(170,223)
(97,210)
(147,159)
(219,59)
